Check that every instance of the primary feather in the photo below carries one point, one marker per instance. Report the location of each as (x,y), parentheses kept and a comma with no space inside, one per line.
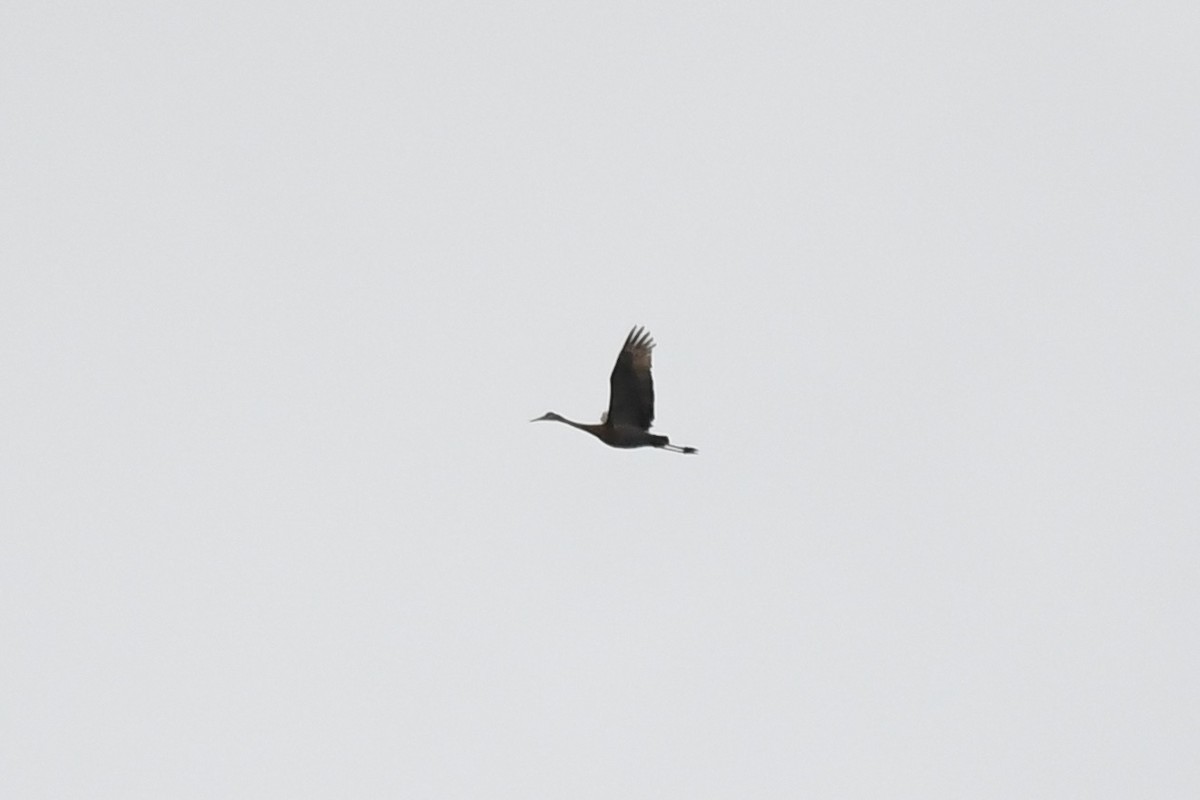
(631,395)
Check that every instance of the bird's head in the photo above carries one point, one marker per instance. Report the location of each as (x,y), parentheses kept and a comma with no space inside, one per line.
(548,415)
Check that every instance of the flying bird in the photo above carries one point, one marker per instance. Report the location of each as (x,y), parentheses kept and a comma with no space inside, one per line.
(630,401)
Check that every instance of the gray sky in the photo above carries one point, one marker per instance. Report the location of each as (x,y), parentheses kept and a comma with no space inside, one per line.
(283,283)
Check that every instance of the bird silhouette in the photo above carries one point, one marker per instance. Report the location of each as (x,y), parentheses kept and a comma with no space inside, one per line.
(630,401)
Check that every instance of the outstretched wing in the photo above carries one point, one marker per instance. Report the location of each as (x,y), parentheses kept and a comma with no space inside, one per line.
(631,398)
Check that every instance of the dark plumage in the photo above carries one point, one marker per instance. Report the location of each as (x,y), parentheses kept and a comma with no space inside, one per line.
(630,401)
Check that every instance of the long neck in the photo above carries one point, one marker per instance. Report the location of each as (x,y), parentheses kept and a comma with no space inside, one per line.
(583,426)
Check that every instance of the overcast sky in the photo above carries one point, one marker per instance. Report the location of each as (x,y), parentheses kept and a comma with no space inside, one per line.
(283,283)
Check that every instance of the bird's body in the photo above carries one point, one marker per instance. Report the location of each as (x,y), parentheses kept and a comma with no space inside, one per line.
(630,402)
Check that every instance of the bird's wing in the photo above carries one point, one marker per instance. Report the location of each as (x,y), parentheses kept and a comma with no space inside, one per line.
(631,400)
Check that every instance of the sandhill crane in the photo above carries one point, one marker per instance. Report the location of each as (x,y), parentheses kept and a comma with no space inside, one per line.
(630,401)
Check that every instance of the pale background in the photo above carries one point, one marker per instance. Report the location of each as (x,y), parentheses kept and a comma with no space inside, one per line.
(282,283)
